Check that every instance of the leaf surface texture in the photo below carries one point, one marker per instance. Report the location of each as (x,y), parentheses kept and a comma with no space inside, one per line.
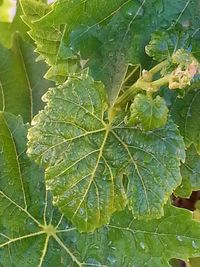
(87,158)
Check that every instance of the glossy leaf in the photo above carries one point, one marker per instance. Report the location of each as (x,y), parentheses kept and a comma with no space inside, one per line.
(95,164)
(86,156)
(21,80)
(148,112)
(186,114)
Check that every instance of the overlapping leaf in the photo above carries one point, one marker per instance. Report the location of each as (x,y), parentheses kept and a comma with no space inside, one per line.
(94,166)
(86,156)
(104,35)
(186,114)
(152,242)
(49,41)
(21,80)
(190,171)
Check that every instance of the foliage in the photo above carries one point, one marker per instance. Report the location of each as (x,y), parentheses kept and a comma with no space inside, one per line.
(86,177)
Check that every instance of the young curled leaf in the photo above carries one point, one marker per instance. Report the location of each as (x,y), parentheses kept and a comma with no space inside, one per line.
(147,112)
(187,68)
(164,43)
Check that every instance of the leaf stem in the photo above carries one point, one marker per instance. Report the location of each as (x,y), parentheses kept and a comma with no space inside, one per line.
(127,95)
(162,81)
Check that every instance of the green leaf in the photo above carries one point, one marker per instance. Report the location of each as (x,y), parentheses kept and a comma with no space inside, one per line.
(103,35)
(86,156)
(186,113)
(48,40)
(21,80)
(190,171)
(148,112)
(155,242)
(33,233)
(164,43)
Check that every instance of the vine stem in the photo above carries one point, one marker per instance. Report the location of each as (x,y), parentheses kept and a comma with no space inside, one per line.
(142,85)
(159,67)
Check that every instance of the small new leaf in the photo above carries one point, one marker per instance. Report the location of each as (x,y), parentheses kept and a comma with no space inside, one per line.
(86,157)
(164,43)
(149,113)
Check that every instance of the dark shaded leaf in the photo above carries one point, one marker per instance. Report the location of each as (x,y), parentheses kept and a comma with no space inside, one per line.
(190,171)
(106,36)
(21,80)
(186,114)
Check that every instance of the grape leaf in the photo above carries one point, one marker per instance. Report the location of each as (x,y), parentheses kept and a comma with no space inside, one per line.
(22,94)
(164,43)
(186,113)
(48,40)
(183,33)
(190,171)
(86,156)
(153,242)
(107,34)
(33,232)
(148,112)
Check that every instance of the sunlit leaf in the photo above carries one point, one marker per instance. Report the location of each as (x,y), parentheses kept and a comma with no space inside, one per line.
(86,156)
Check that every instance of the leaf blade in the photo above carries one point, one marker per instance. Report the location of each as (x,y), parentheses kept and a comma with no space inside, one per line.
(22,94)
(79,147)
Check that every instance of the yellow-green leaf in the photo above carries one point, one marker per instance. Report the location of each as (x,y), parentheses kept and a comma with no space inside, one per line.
(88,158)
